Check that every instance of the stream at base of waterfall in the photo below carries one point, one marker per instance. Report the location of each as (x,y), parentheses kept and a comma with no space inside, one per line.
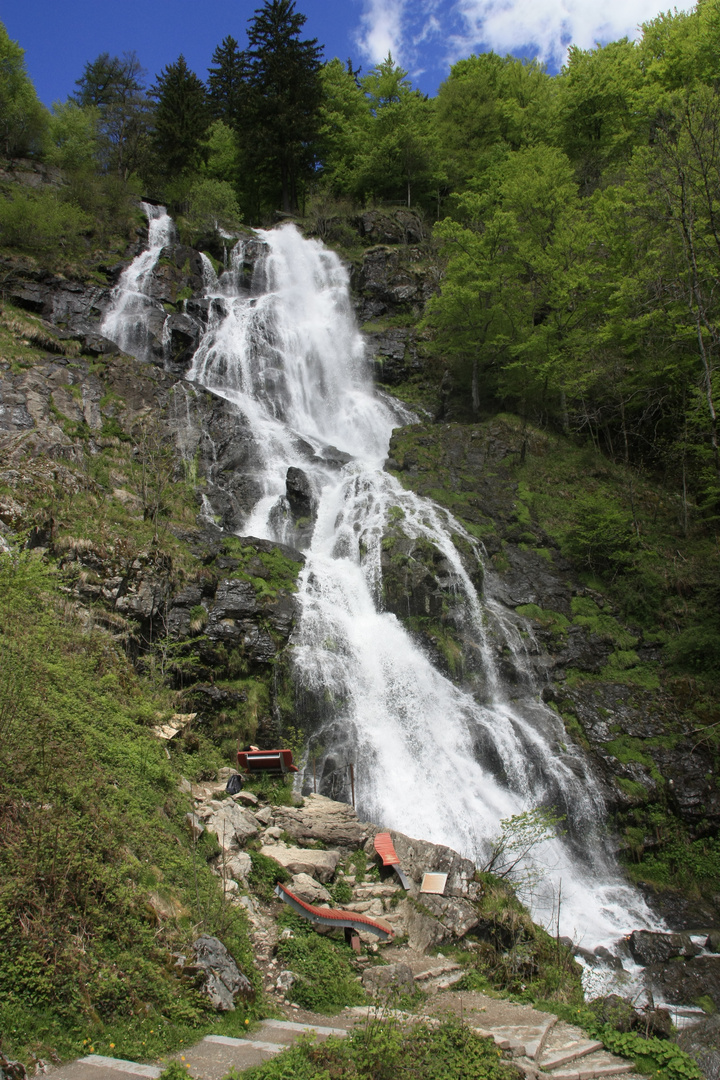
(430,760)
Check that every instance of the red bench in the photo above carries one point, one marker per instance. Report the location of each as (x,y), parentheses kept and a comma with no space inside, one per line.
(272,762)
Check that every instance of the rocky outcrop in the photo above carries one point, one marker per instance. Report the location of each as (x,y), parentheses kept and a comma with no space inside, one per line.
(217,973)
(320,819)
(682,982)
(391,281)
(319,864)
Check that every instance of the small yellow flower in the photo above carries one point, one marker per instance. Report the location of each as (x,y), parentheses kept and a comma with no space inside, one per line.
(112,1046)
(247,1021)
(92,1049)
(182,1057)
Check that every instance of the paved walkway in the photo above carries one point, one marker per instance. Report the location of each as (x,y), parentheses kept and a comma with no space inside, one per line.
(543,1047)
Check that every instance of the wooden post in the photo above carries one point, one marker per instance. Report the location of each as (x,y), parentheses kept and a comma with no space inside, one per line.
(352,782)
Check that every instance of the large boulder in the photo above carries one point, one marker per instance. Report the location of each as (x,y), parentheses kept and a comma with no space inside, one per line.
(419,857)
(232,825)
(437,919)
(217,973)
(648,947)
(309,890)
(381,981)
(323,819)
(318,864)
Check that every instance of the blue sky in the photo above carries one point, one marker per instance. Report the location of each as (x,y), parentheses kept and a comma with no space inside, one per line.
(426,36)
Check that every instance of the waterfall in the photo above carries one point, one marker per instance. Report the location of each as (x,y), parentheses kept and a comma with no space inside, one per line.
(431,759)
(131,313)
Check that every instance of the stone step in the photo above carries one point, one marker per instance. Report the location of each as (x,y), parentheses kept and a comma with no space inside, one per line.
(214,1056)
(525,1040)
(597,1064)
(287,1031)
(554,1058)
(99,1067)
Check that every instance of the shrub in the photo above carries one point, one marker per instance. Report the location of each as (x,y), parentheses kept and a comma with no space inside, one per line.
(39,222)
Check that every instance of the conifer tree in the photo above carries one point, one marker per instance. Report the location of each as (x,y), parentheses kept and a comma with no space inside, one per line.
(284,97)
(226,83)
(181,118)
(115,86)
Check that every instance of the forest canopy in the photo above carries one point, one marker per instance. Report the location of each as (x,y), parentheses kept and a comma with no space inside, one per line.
(576,214)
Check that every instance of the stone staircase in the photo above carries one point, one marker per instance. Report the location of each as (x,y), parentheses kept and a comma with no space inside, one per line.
(542,1047)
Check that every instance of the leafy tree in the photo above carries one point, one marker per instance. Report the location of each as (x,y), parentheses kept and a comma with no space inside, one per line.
(181,119)
(73,136)
(597,108)
(488,102)
(344,129)
(680,188)
(212,204)
(22,118)
(221,150)
(508,307)
(226,83)
(284,98)
(400,154)
(115,86)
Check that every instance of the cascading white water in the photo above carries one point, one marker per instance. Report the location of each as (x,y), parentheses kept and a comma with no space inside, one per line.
(431,760)
(127,319)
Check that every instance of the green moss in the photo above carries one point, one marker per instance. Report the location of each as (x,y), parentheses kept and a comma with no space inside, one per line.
(633,788)
(554,621)
(269,572)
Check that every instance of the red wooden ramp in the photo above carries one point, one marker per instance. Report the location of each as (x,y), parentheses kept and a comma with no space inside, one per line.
(388,854)
(352,920)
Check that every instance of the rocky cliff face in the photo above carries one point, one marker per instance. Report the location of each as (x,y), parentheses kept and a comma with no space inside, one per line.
(73,410)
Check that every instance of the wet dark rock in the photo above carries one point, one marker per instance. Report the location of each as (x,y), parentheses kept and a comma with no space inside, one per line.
(685,982)
(183,334)
(389,282)
(655,1023)
(330,455)
(299,493)
(217,973)
(609,959)
(395,355)
(713,942)
(648,947)
(702,1042)
(98,345)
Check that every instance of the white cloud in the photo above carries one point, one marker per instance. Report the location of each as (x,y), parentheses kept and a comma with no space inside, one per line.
(381,30)
(545,28)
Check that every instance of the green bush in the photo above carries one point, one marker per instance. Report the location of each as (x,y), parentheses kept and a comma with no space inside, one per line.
(386,1050)
(327,980)
(39,222)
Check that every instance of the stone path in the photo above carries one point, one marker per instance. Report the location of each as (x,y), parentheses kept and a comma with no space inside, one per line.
(542,1047)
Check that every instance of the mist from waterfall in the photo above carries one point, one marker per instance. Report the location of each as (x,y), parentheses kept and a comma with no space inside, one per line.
(431,760)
